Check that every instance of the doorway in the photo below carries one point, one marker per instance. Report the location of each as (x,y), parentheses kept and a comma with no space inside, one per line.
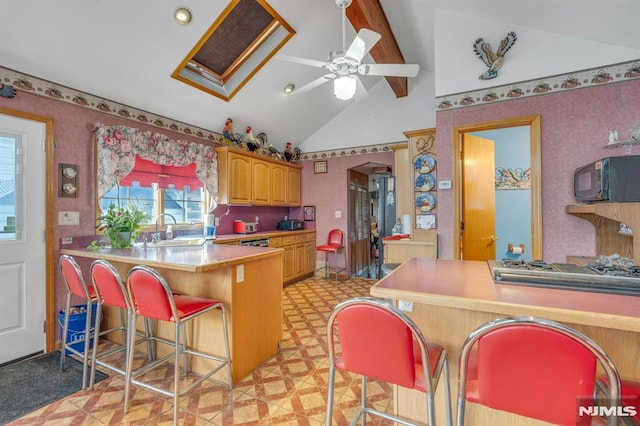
(475,237)
(359,224)
(22,226)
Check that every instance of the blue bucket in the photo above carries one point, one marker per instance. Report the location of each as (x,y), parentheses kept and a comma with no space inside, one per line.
(77,323)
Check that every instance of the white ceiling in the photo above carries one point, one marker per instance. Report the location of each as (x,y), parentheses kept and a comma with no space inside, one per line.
(125,51)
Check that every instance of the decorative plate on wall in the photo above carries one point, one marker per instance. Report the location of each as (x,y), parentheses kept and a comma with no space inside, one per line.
(424,163)
(425,202)
(425,182)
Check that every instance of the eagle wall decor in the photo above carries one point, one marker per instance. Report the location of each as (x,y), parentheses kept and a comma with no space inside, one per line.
(491,59)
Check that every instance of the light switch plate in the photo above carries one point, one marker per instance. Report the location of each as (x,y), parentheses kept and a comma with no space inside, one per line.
(338,214)
(444,184)
(68,218)
(239,273)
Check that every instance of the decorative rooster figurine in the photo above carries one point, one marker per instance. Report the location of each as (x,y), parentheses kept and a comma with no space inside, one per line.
(491,59)
(228,132)
(252,142)
(288,152)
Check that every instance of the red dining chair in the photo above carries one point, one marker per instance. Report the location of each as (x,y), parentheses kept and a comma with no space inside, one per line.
(76,286)
(335,243)
(111,291)
(378,341)
(151,297)
(533,367)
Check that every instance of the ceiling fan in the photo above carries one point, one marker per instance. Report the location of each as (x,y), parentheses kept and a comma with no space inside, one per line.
(344,65)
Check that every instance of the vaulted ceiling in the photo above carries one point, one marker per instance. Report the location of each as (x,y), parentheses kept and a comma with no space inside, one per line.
(126,51)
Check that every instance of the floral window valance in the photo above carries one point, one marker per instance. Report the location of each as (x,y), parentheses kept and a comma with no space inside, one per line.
(118,147)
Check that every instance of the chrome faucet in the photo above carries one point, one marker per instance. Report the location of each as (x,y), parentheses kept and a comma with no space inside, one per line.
(156,235)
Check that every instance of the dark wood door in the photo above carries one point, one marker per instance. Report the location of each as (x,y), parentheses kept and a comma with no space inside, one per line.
(359,224)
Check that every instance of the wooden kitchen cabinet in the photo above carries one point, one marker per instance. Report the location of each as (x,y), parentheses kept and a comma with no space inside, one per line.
(245,178)
(279,194)
(299,254)
(398,251)
(294,187)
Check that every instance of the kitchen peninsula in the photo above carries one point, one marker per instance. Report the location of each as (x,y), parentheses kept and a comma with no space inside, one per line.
(248,280)
(451,298)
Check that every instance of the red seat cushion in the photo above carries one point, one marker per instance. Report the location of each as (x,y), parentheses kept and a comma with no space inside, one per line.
(328,248)
(189,305)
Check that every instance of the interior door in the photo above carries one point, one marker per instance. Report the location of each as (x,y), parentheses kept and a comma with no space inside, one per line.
(478,199)
(359,223)
(22,242)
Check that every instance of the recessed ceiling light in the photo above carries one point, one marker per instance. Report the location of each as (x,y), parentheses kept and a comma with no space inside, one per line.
(289,88)
(182,15)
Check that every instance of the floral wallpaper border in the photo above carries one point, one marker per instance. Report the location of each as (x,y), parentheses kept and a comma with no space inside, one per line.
(559,83)
(27,83)
(356,150)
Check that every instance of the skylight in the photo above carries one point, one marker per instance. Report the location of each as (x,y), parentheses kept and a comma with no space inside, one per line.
(241,40)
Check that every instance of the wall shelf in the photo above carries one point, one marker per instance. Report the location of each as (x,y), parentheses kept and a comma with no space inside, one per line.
(627,144)
(606,218)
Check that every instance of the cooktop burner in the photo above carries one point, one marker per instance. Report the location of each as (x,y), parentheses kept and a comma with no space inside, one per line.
(599,277)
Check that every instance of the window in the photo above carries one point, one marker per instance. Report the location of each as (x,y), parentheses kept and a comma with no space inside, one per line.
(158,174)
(8,149)
(185,205)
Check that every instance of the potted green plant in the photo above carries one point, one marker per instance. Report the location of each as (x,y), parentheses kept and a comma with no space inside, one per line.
(121,225)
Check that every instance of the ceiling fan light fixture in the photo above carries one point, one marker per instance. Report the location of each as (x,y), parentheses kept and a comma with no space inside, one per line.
(288,88)
(344,87)
(182,15)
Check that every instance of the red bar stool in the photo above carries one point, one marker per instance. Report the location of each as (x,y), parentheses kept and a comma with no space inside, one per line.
(381,342)
(533,367)
(111,291)
(151,297)
(76,286)
(335,243)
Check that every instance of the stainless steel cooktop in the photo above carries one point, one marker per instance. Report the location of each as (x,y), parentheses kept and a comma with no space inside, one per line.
(595,277)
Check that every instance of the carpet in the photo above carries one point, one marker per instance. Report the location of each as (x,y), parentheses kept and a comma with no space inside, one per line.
(34,382)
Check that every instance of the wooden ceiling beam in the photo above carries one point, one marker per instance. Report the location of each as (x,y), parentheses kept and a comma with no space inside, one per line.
(369,14)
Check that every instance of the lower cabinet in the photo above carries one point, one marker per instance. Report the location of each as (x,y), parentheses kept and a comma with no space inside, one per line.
(299,257)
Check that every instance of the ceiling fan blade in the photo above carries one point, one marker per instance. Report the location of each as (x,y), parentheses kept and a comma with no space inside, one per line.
(303,61)
(362,44)
(315,83)
(391,70)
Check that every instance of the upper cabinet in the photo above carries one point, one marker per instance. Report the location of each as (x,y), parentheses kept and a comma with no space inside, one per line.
(249,179)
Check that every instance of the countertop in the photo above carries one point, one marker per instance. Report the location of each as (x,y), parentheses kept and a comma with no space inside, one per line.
(199,258)
(469,285)
(230,238)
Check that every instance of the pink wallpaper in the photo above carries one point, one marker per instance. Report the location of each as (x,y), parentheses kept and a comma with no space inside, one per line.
(574,129)
(329,191)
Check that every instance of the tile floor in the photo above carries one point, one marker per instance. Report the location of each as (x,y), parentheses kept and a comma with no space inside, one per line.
(289,389)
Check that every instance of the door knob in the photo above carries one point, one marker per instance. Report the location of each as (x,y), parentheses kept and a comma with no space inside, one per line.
(494,238)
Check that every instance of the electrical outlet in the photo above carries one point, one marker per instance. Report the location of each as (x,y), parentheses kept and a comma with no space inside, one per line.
(338,214)
(405,305)
(67,240)
(257,219)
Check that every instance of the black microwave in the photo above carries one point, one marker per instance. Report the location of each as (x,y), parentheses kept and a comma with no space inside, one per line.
(613,179)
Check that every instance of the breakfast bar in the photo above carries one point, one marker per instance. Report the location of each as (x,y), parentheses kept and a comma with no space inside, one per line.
(248,280)
(451,298)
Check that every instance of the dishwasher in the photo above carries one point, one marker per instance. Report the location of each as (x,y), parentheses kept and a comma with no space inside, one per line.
(258,242)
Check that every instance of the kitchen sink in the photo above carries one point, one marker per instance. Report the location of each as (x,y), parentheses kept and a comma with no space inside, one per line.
(177,242)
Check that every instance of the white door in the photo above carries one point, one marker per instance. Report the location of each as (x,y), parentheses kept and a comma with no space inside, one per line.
(22,240)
